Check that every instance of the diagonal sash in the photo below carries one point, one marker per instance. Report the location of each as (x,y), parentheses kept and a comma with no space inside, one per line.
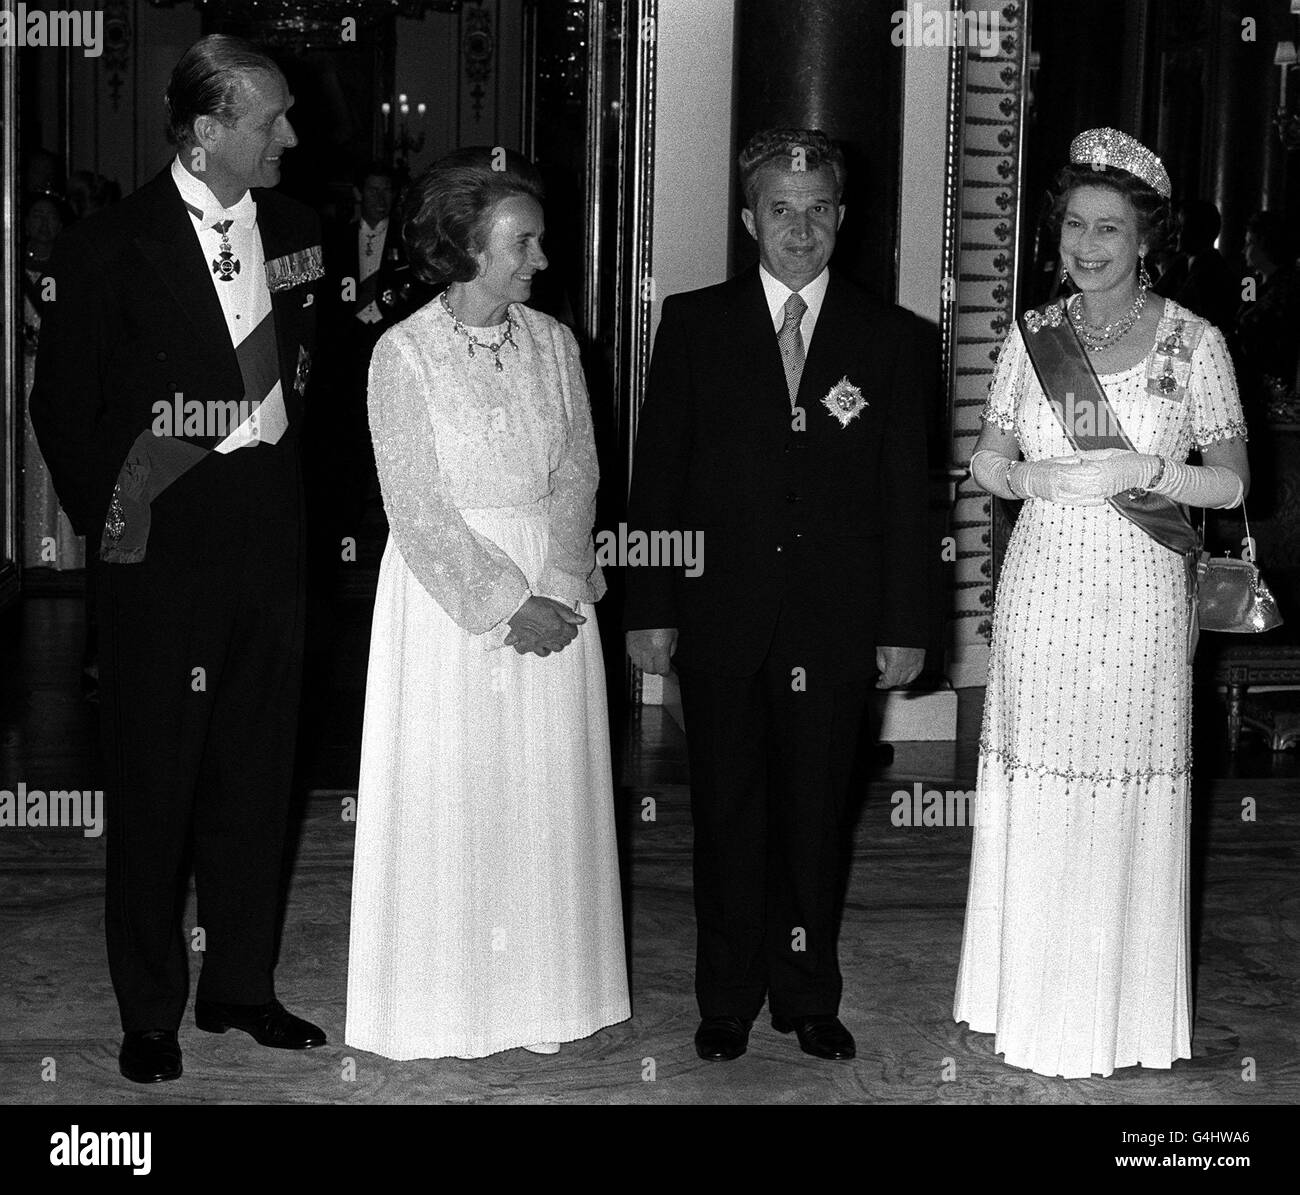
(1089,422)
(154,461)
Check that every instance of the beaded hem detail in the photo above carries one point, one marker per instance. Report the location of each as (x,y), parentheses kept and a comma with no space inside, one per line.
(1019,765)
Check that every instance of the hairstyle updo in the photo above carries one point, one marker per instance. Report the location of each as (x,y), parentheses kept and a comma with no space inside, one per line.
(446,212)
(1153,214)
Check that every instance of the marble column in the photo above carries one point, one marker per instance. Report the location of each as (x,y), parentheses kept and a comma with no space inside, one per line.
(830,64)
(1238,120)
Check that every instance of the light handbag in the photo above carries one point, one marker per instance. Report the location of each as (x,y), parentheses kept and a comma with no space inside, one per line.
(1231,595)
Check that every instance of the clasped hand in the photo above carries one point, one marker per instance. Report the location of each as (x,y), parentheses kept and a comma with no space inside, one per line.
(1086,478)
(652,650)
(543,625)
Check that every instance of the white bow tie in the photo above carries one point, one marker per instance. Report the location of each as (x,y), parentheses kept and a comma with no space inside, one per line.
(243,214)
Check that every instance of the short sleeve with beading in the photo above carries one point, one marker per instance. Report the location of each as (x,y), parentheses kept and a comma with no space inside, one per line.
(1007,385)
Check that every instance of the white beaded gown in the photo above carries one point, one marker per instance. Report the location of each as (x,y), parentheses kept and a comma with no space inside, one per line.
(1075,950)
(486,909)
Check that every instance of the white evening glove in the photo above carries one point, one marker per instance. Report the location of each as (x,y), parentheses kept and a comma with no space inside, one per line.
(1055,480)
(988,470)
(1125,471)
(1215,487)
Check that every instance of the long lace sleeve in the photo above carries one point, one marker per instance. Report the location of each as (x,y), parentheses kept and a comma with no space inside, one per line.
(1007,384)
(571,572)
(468,575)
(1212,390)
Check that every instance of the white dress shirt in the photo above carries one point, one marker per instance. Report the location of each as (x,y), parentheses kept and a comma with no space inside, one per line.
(369,262)
(813,294)
(245,299)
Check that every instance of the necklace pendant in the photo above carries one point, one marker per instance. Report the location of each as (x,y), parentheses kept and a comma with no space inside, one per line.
(471,348)
(498,365)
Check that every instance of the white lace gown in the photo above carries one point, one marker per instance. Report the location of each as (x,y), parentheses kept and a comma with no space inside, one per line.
(1075,951)
(486,909)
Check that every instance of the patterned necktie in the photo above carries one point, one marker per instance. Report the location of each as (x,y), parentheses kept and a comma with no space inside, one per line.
(790,341)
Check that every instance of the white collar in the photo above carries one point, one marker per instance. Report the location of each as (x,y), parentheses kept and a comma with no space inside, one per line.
(382,226)
(195,194)
(777,292)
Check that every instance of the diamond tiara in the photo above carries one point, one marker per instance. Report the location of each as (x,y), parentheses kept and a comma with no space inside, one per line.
(1100,148)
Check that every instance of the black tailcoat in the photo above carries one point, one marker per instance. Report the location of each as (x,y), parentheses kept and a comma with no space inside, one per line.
(201,640)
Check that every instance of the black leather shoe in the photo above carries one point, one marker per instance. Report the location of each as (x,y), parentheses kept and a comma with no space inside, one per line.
(822,1037)
(268,1024)
(722,1039)
(150,1056)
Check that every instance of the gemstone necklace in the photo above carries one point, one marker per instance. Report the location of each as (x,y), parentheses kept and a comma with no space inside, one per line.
(1098,337)
(473,342)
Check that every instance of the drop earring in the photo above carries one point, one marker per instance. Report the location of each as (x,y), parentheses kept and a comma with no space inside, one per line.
(1144,279)
(1065,274)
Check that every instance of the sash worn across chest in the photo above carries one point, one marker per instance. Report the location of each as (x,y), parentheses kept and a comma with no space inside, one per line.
(1089,421)
(159,457)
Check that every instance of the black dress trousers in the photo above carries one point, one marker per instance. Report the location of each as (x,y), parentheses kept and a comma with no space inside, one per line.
(201,657)
(771,758)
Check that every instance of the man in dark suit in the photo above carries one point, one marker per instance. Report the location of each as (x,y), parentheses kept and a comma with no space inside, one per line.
(368,252)
(168,396)
(370,287)
(783,422)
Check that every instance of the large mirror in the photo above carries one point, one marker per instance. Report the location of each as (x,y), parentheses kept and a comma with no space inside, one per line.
(10,428)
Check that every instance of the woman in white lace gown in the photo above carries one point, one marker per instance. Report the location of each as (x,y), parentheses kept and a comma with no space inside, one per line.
(486,909)
(1075,952)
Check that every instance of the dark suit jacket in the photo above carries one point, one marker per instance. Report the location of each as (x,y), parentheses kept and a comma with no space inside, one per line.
(829,522)
(135,319)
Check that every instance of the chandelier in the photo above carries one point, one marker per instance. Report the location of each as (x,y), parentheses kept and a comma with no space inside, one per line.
(302,24)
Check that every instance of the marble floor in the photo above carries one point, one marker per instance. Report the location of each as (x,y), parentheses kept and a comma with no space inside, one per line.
(899,943)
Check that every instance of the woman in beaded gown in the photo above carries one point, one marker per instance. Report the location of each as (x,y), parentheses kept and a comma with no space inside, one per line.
(486,908)
(1075,950)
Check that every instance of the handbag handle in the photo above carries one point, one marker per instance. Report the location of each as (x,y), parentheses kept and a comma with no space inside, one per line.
(1248,551)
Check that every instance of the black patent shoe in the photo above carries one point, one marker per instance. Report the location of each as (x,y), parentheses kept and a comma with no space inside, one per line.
(268,1024)
(150,1056)
(822,1036)
(722,1039)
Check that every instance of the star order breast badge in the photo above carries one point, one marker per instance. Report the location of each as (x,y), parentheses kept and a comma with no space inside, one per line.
(844,401)
(303,372)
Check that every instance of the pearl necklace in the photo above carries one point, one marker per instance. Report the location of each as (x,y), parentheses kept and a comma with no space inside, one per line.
(507,337)
(1096,337)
